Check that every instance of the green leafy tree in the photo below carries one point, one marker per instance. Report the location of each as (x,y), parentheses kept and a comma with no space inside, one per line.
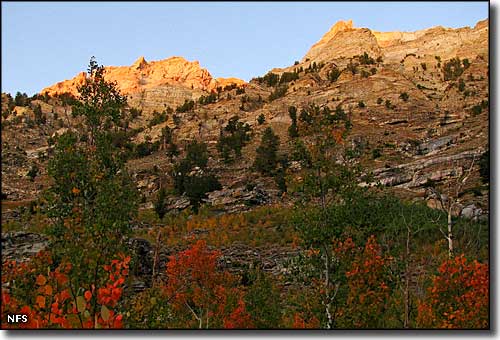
(100,102)
(92,199)
(263,301)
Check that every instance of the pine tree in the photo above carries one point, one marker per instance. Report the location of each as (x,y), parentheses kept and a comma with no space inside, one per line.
(267,158)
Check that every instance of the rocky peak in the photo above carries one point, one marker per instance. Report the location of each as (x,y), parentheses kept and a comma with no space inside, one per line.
(139,63)
(339,26)
(142,76)
(343,40)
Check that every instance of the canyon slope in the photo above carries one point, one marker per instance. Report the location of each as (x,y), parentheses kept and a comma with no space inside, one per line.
(418,103)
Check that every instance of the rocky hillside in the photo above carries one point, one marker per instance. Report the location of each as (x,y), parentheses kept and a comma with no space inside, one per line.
(418,102)
(344,40)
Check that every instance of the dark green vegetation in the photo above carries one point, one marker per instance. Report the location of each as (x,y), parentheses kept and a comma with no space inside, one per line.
(232,139)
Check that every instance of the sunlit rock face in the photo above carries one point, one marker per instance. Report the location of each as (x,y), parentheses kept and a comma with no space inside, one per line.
(143,76)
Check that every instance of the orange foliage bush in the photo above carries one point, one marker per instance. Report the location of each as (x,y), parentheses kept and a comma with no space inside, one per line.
(201,296)
(368,286)
(54,303)
(458,297)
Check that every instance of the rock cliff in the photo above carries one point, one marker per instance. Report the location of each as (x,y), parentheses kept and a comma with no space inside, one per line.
(143,76)
(344,40)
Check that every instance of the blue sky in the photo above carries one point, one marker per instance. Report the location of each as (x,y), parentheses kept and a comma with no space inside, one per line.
(46,42)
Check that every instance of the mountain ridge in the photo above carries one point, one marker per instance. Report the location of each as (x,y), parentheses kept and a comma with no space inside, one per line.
(343,40)
(143,75)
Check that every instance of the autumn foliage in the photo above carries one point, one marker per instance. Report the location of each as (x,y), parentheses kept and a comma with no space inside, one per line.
(50,301)
(368,284)
(458,296)
(202,296)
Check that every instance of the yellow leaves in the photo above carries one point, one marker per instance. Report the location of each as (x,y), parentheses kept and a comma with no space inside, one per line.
(81,304)
(104,313)
(41,280)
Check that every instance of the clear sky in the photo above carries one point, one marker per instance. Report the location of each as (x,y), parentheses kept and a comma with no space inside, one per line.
(47,42)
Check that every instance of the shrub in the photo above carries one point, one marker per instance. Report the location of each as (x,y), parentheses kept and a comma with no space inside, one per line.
(199,292)
(376,153)
(293,131)
(300,153)
(365,59)
(404,96)
(261,119)
(287,77)
(270,79)
(476,110)
(461,85)
(186,107)
(353,68)
(452,69)
(21,99)
(39,116)
(211,98)
(134,113)
(158,118)
(458,296)
(33,172)
(146,148)
(334,74)
(278,92)
(263,301)
(361,104)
